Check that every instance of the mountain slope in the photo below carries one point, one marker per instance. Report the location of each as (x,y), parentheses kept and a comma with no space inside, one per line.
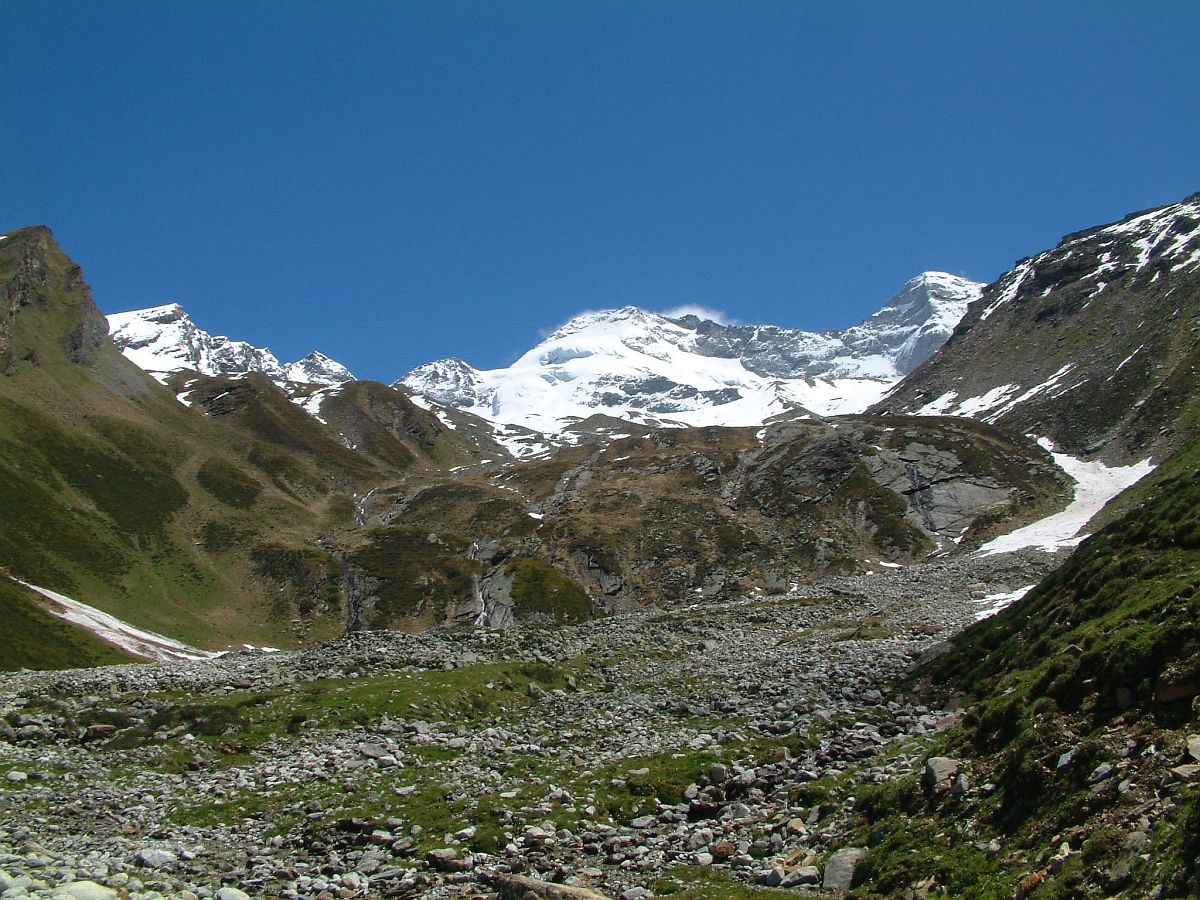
(164,339)
(201,527)
(1094,344)
(655,370)
(676,514)
(1079,722)
(32,638)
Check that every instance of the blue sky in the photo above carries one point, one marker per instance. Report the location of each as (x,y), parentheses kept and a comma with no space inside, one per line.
(398,182)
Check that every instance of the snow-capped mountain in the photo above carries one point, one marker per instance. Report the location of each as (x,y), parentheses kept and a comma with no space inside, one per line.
(649,368)
(317,368)
(164,339)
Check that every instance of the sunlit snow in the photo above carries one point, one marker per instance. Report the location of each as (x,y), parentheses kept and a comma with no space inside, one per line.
(1095,485)
(631,364)
(993,603)
(138,642)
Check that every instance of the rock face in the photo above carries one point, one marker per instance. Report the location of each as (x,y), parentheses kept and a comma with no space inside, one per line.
(943,498)
(1091,344)
(653,369)
(905,332)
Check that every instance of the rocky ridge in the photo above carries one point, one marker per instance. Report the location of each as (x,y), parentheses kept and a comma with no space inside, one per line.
(1092,344)
(164,339)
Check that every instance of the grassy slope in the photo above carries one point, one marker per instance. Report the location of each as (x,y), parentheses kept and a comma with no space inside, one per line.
(1103,658)
(120,496)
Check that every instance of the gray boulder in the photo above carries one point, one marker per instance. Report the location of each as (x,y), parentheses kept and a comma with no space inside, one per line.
(840,869)
(938,775)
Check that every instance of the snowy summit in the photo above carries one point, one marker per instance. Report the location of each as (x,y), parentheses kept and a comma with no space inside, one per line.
(164,339)
(658,370)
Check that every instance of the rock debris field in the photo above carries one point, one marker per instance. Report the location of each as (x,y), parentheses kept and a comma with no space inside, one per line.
(681,749)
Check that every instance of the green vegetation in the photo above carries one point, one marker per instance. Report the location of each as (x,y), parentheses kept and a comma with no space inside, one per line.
(1121,616)
(625,788)
(309,579)
(1102,658)
(539,589)
(31,638)
(484,513)
(419,573)
(693,883)
(228,483)
(115,493)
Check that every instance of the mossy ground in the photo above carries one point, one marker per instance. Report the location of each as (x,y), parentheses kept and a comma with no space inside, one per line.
(541,590)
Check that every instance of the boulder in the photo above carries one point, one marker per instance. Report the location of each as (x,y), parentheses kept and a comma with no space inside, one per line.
(155,858)
(803,877)
(939,773)
(772,877)
(840,868)
(84,890)
(99,732)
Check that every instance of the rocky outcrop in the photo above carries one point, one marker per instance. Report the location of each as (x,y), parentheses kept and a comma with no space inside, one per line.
(47,313)
(491,606)
(943,497)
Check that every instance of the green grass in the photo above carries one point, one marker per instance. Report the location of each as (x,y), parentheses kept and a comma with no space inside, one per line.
(539,589)
(228,483)
(695,883)
(231,728)
(418,572)
(1081,662)
(116,494)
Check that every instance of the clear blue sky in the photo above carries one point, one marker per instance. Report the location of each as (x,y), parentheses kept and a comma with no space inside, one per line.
(394,182)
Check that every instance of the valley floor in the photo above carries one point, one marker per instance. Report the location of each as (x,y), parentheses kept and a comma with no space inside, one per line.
(690,752)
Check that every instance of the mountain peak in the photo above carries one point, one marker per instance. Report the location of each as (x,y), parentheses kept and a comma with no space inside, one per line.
(164,339)
(168,312)
(1108,312)
(653,369)
(38,271)
(317,368)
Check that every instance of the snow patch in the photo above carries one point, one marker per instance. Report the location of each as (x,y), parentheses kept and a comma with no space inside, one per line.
(1095,485)
(939,406)
(1016,279)
(1046,385)
(993,603)
(972,406)
(146,644)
